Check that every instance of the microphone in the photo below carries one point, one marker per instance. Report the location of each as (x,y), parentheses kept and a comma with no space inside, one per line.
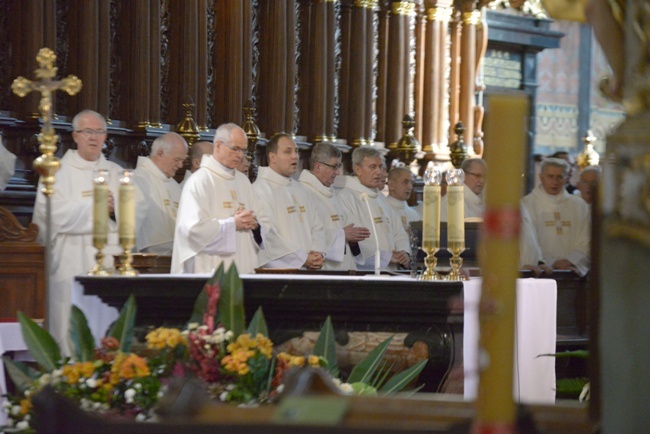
(364,197)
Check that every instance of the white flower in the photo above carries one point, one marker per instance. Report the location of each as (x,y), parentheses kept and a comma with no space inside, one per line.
(45,379)
(346,388)
(23,424)
(280,388)
(6,404)
(229,335)
(129,394)
(27,417)
(138,386)
(141,417)
(15,410)
(57,373)
(223,396)
(193,326)
(230,387)
(91,382)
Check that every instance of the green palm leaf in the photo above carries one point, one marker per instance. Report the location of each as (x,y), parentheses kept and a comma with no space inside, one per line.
(325,347)
(83,343)
(22,375)
(363,372)
(122,329)
(398,381)
(231,304)
(40,343)
(258,324)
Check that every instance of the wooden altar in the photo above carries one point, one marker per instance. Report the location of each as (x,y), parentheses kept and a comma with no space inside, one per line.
(297,303)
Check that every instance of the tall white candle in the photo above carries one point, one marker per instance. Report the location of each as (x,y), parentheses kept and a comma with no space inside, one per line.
(127,208)
(431,217)
(455,216)
(100,212)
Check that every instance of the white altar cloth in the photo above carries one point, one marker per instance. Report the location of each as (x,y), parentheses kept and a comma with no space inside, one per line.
(535,325)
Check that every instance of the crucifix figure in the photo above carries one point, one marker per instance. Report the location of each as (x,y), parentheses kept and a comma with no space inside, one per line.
(47,164)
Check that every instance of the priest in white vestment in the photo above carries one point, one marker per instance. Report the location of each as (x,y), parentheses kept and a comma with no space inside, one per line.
(400,187)
(7,165)
(72,218)
(158,194)
(293,233)
(197,151)
(325,163)
(561,220)
(216,221)
(387,233)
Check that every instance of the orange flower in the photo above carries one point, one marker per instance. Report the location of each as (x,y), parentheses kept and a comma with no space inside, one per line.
(134,366)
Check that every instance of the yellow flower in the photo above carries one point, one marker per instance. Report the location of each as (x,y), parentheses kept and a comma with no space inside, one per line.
(297,361)
(163,337)
(25,406)
(314,361)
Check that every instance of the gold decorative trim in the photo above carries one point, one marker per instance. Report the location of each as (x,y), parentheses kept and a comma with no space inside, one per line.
(368,4)
(472,18)
(442,14)
(405,8)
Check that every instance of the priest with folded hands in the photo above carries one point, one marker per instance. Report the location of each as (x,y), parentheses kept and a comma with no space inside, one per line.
(216,220)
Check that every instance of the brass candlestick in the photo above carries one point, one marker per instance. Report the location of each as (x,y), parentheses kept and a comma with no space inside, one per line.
(431,222)
(455,221)
(100,220)
(126,223)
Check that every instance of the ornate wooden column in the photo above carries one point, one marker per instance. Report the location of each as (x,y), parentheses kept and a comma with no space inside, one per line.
(479,110)
(454,73)
(155,54)
(104,59)
(370,8)
(277,66)
(435,116)
(184,48)
(356,97)
(470,19)
(382,68)
(330,95)
(202,66)
(317,72)
(398,68)
(418,80)
(139,89)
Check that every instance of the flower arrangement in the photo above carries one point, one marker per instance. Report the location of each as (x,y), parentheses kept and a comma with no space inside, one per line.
(123,379)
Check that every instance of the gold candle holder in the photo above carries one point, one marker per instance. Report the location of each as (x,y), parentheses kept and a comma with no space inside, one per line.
(455,221)
(431,222)
(126,223)
(100,219)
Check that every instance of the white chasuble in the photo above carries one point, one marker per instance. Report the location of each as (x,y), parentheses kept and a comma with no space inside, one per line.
(206,234)
(562,226)
(338,255)
(157,198)
(403,212)
(474,203)
(72,232)
(290,226)
(389,231)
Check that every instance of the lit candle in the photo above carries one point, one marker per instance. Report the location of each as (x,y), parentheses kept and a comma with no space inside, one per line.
(505,139)
(127,208)
(100,207)
(455,209)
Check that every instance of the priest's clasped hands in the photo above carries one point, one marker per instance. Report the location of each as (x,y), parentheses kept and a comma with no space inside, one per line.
(245,220)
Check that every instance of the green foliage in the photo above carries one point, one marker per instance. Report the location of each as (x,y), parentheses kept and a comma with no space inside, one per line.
(231,304)
(258,324)
(402,379)
(40,343)
(83,343)
(325,347)
(122,329)
(365,369)
(570,386)
(22,375)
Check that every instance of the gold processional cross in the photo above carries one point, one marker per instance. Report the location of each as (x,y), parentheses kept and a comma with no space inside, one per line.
(47,164)
(558,223)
